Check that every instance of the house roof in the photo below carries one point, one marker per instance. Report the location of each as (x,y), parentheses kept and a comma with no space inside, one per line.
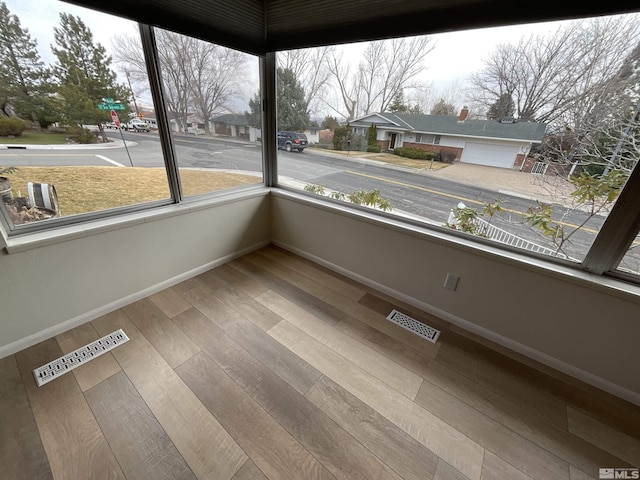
(449,125)
(232,119)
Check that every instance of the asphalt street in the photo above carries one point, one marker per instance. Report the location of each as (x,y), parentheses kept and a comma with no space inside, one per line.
(419,195)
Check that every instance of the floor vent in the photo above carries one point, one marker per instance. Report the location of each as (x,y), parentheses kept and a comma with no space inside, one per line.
(68,362)
(414,326)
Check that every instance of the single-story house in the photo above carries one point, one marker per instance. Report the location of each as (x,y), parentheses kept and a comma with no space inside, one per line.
(234,125)
(497,143)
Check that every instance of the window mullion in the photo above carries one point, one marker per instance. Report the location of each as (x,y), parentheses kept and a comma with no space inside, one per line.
(269,118)
(149,47)
(618,231)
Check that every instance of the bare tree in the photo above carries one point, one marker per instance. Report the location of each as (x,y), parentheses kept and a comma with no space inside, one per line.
(347,88)
(198,77)
(174,55)
(386,68)
(215,76)
(561,78)
(311,66)
(427,96)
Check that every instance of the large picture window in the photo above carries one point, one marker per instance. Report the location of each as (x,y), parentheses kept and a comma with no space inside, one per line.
(79,127)
(527,148)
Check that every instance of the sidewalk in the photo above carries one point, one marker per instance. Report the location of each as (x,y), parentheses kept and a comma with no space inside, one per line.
(543,188)
(504,181)
(69,146)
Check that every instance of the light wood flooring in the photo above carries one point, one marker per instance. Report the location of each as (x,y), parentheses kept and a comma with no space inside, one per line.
(273,367)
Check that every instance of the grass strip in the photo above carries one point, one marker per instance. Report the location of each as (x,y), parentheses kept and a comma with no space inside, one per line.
(92,188)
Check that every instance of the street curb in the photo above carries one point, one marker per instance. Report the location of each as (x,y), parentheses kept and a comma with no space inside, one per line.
(69,146)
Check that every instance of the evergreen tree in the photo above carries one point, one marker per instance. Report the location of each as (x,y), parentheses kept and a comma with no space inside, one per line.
(23,76)
(372,135)
(442,107)
(292,107)
(398,105)
(84,75)
(254,115)
(503,107)
(330,123)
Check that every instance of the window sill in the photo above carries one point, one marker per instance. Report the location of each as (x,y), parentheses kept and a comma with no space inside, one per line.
(30,241)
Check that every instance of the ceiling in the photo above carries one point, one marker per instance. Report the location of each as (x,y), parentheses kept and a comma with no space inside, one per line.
(261,26)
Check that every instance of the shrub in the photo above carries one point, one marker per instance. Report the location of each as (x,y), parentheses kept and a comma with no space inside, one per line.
(81,135)
(340,137)
(372,135)
(374,149)
(358,143)
(11,127)
(447,157)
(415,153)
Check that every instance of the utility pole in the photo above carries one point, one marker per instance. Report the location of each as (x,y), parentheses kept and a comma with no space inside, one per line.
(135,104)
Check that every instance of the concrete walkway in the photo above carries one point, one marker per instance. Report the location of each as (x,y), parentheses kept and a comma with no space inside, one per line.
(69,146)
(544,188)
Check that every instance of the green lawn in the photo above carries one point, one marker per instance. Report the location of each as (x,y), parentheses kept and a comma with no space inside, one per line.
(36,138)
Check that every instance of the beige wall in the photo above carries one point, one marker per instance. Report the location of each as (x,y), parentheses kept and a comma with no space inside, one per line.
(50,289)
(585,330)
(572,325)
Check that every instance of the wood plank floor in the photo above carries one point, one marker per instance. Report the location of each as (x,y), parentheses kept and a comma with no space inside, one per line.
(273,367)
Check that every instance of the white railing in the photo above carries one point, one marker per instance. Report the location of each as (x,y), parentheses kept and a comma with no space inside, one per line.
(485,229)
(539,168)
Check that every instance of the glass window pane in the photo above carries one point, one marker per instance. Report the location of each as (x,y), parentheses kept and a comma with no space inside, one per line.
(631,261)
(63,88)
(208,89)
(523,136)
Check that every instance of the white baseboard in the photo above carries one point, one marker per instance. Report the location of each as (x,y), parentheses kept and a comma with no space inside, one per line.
(512,345)
(59,328)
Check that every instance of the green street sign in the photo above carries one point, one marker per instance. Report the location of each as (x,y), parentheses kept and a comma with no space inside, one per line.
(111,106)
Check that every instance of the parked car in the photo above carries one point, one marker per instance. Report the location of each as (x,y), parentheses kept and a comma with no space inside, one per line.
(136,125)
(292,141)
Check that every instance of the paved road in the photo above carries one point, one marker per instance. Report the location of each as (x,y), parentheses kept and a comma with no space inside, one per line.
(420,195)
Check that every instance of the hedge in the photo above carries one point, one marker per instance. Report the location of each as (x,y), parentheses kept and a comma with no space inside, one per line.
(11,127)
(416,153)
(374,149)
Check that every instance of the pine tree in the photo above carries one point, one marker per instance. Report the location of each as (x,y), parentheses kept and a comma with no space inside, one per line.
(398,105)
(292,107)
(330,123)
(84,75)
(442,107)
(254,115)
(372,135)
(503,107)
(22,77)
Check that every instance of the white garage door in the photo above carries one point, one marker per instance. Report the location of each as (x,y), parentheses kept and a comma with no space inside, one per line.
(502,156)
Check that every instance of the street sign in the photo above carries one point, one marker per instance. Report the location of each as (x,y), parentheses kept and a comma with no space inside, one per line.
(114,118)
(111,106)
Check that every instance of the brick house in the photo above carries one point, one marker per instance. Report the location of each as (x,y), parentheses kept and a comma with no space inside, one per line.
(504,144)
